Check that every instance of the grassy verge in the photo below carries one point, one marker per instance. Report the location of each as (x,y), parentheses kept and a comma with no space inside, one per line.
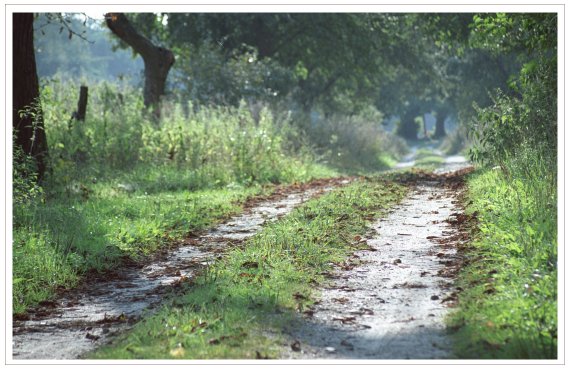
(237,307)
(508,308)
(123,185)
(95,226)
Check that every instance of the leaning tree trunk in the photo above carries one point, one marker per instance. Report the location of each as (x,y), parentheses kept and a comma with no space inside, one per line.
(157,60)
(29,129)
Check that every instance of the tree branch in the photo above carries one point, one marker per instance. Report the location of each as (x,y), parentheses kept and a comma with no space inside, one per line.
(120,26)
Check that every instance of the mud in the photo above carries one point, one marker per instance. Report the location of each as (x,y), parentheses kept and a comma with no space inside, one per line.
(390,299)
(78,321)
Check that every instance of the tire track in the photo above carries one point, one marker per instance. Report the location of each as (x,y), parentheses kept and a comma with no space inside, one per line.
(80,320)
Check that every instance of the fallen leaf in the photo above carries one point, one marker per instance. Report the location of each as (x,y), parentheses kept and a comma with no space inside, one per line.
(299,296)
(258,355)
(296,346)
(346,319)
(91,337)
(250,265)
(341,300)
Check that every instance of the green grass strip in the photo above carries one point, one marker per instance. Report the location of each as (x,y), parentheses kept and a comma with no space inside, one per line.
(237,308)
(56,242)
(428,159)
(508,309)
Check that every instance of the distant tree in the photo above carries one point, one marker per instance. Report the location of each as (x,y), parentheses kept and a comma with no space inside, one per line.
(27,122)
(157,60)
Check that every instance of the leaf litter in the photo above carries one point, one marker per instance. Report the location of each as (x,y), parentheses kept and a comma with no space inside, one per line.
(105,305)
(396,310)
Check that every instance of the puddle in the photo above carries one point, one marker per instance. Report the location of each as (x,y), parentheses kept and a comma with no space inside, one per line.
(392,306)
(83,319)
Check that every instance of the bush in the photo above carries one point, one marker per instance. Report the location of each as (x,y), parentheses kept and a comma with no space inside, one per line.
(355,143)
(245,144)
(515,123)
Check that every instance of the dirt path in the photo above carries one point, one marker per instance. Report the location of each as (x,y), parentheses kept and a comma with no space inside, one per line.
(390,299)
(83,319)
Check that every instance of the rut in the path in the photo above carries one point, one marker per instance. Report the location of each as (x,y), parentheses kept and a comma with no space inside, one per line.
(83,319)
(392,300)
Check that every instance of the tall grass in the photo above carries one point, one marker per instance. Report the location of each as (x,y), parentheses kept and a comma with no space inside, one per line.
(355,144)
(123,185)
(509,307)
(220,145)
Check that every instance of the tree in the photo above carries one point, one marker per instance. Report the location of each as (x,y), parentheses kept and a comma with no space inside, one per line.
(27,113)
(157,60)
(338,60)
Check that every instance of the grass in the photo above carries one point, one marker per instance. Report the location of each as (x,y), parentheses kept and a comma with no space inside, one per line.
(84,226)
(122,185)
(427,159)
(237,308)
(508,309)
(57,241)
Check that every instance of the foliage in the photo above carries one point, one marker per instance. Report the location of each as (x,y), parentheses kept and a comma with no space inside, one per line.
(355,144)
(25,186)
(508,309)
(124,186)
(254,290)
(225,143)
(205,76)
(93,58)
(512,124)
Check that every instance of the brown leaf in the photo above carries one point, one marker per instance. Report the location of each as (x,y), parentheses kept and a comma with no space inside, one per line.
(346,319)
(299,296)
(296,346)
(258,355)
(250,265)
(341,300)
(91,337)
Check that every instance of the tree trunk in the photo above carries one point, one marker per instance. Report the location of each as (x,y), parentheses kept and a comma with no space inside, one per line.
(408,128)
(440,124)
(29,129)
(82,103)
(157,60)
